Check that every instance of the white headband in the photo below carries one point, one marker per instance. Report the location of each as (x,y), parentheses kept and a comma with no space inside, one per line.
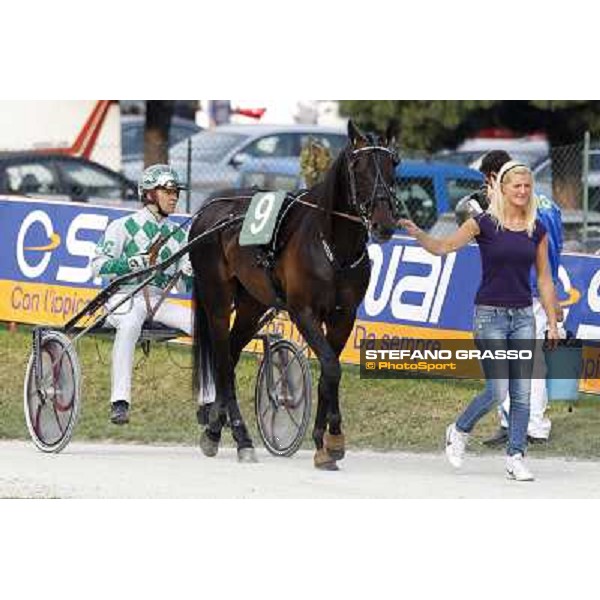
(509,166)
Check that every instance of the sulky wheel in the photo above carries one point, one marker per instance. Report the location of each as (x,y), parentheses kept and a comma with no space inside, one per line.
(282,398)
(52,398)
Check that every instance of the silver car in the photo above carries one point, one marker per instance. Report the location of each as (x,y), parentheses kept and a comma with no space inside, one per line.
(211,158)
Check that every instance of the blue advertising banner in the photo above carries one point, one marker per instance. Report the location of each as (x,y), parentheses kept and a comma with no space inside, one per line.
(45,277)
(45,272)
(410,286)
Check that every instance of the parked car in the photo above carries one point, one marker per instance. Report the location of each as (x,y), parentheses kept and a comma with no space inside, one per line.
(271,174)
(470,152)
(466,158)
(132,141)
(53,176)
(217,154)
(427,189)
(424,190)
(541,166)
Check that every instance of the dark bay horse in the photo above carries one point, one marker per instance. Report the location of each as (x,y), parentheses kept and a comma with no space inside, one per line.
(319,273)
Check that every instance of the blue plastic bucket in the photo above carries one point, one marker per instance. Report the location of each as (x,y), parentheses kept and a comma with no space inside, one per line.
(566,361)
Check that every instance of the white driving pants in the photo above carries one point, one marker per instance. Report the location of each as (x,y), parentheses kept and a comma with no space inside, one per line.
(128,321)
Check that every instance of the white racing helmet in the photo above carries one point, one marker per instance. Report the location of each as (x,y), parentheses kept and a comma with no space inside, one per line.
(159,176)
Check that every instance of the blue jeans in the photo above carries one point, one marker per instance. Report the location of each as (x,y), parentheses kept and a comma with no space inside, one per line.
(507,329)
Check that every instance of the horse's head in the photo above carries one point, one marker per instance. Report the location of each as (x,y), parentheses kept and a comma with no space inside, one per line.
(371,169)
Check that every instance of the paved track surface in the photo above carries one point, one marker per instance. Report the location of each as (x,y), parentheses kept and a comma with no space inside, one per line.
(86,470)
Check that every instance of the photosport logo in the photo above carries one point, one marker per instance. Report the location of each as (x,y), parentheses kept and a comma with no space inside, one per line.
(400,358)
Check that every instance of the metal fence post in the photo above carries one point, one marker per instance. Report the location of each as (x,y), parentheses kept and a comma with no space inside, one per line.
(188,195)
(584,184)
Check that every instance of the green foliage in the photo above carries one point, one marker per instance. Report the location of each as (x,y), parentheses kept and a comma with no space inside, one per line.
(429,125)
(315,159)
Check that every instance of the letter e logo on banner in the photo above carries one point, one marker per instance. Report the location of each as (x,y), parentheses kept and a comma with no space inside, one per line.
(33,271)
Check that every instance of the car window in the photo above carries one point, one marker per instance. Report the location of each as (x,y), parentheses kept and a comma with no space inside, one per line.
(84,181)
(459,188)
(31,179)
(132,140)
(272,146)
(416,200)
(288,183)
(251,179)
(459,157)
(180,132)
(333,142)
(594,164)
(270,181)
(337,143)
(208,146)
(132,137)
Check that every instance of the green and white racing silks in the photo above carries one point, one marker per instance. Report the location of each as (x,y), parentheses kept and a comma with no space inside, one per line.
(134,235)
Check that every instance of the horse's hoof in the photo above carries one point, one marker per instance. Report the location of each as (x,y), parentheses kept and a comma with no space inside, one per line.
(208,446)
(335,445)
(324,462)
(247,455)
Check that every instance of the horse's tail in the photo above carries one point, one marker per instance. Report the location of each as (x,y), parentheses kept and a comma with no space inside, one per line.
(203,348)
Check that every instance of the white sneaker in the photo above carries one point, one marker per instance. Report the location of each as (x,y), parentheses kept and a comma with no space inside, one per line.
(539,429)
(456,444)
(516,468)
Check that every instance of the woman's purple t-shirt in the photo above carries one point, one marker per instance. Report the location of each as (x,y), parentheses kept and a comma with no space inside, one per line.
(506,261)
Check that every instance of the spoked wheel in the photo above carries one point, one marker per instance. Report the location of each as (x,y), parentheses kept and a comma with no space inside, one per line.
(52,398)
(282,398)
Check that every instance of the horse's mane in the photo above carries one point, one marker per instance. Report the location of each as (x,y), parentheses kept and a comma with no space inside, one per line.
(333,184)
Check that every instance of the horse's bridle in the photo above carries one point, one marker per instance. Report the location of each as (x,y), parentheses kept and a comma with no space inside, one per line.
(365,209)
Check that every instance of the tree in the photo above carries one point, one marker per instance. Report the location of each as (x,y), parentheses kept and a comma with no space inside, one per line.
(431,125)
(156,131)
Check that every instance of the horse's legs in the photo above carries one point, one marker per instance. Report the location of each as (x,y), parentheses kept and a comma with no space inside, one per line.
(219,316)
(339,328)
(329,380)
(248,313)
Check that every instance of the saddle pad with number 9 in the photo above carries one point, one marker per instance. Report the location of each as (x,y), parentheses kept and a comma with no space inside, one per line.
(261,218)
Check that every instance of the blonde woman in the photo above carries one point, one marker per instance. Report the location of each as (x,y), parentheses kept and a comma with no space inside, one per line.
(510,240)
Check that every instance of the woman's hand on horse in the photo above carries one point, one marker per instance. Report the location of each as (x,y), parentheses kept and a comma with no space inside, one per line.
(410,227)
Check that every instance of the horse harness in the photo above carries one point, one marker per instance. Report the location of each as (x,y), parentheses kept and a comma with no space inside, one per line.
(152,257)
(154,249)
(267,256)
(365,209)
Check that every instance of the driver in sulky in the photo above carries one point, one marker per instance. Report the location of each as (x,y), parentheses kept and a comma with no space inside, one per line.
(132,243)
